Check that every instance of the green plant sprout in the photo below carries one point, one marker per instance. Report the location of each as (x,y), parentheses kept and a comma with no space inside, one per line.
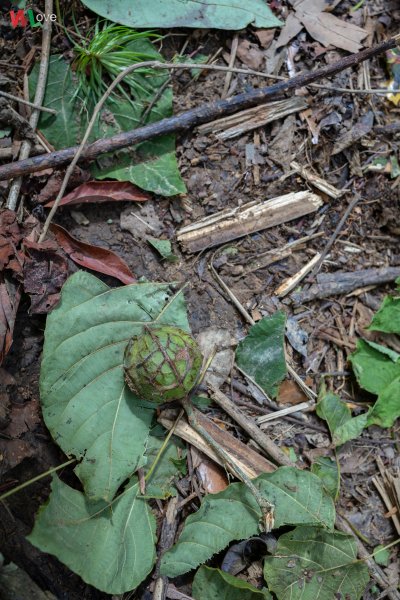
(107,51)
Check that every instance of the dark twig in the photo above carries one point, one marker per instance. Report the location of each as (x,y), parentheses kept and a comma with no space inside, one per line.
(192,118)
(334,235)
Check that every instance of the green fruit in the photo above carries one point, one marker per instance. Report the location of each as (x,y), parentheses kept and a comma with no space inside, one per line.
(162,363)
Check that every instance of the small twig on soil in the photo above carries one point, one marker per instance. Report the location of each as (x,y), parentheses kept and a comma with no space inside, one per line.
(191,118)
(341,282)
(334,235)
(38,101)
(251,428)
(284,412)
(37,478)
(292,282)
(228,77)
(375,571)
(167,537)
(32,104)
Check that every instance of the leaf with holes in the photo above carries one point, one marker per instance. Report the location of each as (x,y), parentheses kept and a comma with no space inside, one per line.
(298,496)
(87,407)
(111,546)
(310,563)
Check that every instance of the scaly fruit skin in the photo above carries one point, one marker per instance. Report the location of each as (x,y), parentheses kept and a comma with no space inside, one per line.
(162,363)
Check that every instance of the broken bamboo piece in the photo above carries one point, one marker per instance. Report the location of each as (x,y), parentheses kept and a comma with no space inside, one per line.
(230,224)
(230,127)
(317,181)
(191,118)
(292,282)
(247,459)
(249,425)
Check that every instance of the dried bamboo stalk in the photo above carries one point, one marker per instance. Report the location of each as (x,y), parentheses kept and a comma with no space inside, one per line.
(230,224)
(252,118)
(317,181)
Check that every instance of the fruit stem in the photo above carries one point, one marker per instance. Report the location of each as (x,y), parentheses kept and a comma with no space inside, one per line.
(37,478)
(267,509)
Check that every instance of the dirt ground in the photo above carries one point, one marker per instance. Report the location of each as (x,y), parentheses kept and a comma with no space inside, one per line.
(218,176)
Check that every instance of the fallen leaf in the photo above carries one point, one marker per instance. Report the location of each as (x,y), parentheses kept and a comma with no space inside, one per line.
(24,417)
(357,131)
(212,477)
(10,236)
(45,271)
(250,55)
(290,393)
(265,36)
(93,257)
(104,191)
(10,295)
(322,26)
(13,452)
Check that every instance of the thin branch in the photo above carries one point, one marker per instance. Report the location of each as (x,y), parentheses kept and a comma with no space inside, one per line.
(194,117)
(31,104)
(39,96)
(334,235)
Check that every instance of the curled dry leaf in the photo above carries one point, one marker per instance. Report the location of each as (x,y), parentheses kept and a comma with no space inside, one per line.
(93,257)
(103,191)
(10,295)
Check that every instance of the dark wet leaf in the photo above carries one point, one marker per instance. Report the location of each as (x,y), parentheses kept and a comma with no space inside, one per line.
(261,354)
(103,191)
(45,271)
(93,257)
(10,295)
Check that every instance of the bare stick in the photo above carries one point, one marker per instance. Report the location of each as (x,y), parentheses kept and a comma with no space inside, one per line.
(32,104)
(195,117)
(374,569)
(251,428)
(39,95)
(334,235)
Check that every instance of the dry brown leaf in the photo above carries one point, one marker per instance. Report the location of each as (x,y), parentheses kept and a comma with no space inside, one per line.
(290,393)
(322,26)
(250,55)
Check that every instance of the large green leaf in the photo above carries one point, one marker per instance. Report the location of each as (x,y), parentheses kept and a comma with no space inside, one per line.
(224,14)
(261,354)
(87,407)
(387,319)
(298,496)
(312,563)
(112,547)
(374,367)
(150,165)
(213,584)
(387,408)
